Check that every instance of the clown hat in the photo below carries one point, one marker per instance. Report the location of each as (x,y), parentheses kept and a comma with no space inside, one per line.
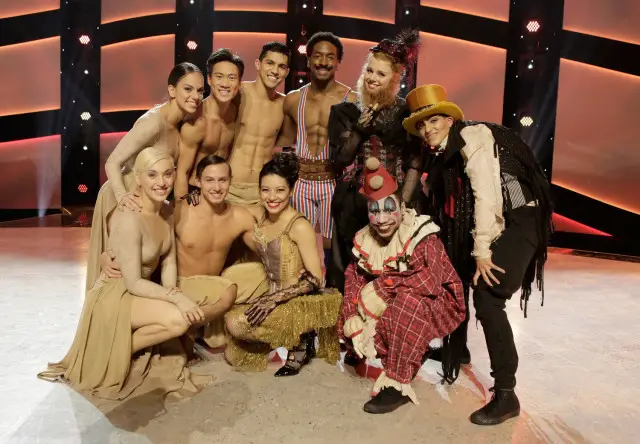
(378,183)
(426,101)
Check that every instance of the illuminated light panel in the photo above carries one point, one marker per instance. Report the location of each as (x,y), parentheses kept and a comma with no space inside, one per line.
(593,152)
(192,45)
(564,224)
(85,115)
(526,121)
(83,188)
(302,49)
(15,8)
(374,10)
(533,26)
(17,62)
(126,84)
(33,165)
(493,9)
(115,10)
(612,20)
(84,39)
(251,5)
(483,104)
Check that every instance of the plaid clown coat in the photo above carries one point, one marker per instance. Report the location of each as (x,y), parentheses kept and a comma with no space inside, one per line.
(408,288)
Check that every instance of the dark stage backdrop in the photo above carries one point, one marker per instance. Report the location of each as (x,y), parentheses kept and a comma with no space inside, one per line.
(467,46)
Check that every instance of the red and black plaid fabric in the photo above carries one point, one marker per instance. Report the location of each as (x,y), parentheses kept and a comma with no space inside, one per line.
(423,303)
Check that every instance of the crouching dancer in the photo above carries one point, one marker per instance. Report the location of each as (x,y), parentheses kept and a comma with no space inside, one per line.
(401,290)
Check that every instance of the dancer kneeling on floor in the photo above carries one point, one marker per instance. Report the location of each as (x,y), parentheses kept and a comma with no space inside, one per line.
(295,307)
(401,290)
(123,316)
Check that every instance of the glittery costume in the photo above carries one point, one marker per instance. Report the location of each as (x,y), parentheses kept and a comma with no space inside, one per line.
(319,311)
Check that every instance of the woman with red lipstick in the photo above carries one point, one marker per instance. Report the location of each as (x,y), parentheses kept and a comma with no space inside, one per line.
(158,127)
(295,306)
(123,316)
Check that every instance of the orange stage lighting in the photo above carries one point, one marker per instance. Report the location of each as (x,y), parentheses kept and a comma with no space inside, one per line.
(612,20)
(115,10)
(564,224)
(134,73)
(493,9)
(31,166)
(597,133)
(14,8)
(446,61)
(23,88)
(375,10)
(251,5)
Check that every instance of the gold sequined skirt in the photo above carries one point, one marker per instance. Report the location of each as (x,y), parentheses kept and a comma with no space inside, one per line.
(249,346)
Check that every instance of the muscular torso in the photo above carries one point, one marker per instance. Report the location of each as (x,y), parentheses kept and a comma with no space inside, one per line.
(218,132)
(259,121)
(203,240)
(316,116)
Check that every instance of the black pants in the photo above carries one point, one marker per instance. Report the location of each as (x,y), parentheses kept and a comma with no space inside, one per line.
(349,212)
(513,252)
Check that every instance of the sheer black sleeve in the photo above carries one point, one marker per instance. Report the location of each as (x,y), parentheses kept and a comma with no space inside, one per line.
(344,137)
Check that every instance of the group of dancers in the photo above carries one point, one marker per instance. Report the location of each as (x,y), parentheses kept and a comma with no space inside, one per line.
(205,231)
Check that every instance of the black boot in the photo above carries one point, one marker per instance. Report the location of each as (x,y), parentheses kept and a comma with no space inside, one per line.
(299,356)
(388,400)
(504,405)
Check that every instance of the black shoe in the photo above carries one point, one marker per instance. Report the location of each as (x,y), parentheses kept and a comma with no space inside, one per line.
(504,405)
(386,401)
(351,359)
(299,356)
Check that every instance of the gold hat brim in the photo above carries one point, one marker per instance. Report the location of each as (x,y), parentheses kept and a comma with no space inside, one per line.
(447,108)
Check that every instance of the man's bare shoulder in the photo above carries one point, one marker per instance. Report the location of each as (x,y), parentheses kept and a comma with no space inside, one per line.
(352,97)
(291,100)
(241,215)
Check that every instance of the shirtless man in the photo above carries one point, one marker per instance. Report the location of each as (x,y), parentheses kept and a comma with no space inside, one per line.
(260,118)
(204,235)
(211,130)
(306,122)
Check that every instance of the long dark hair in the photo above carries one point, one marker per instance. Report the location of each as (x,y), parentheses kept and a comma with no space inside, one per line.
(283,164)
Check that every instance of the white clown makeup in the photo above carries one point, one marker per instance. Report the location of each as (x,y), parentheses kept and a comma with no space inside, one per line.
(385,215)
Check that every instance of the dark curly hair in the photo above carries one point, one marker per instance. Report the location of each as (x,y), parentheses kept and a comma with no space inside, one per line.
(283,164)
(325,37)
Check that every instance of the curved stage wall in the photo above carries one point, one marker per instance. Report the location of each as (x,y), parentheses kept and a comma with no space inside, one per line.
(47,151)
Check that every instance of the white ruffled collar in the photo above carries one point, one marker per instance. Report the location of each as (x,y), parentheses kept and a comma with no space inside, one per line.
(394,256)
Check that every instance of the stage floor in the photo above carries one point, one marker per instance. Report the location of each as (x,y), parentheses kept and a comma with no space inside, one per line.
(577,382)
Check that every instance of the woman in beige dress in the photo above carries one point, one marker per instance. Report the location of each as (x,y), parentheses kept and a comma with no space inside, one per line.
(123,316)
(158,127)
(296,306)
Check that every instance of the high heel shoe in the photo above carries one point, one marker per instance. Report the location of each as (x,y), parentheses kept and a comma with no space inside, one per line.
(299,356)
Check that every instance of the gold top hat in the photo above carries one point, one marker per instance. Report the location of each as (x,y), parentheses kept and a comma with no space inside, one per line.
(426,101)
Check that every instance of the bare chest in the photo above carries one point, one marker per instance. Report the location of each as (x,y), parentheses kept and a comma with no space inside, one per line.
(218,135)
(316,112)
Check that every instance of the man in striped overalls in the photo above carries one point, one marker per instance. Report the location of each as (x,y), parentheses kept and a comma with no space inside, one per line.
(306,123)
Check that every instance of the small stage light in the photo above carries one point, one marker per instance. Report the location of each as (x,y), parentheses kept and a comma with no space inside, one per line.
(530,66)
(84,39)
(83,188)
(85,116)
(526,121)
(300,80)
(85,147)
(533,26)
(403,86)
(304,6)
(407,11)
(82,219)
(86,71)
(192,2)
(302,49)
(192,45)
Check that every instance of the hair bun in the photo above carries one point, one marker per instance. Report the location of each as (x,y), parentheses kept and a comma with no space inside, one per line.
(288,163)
